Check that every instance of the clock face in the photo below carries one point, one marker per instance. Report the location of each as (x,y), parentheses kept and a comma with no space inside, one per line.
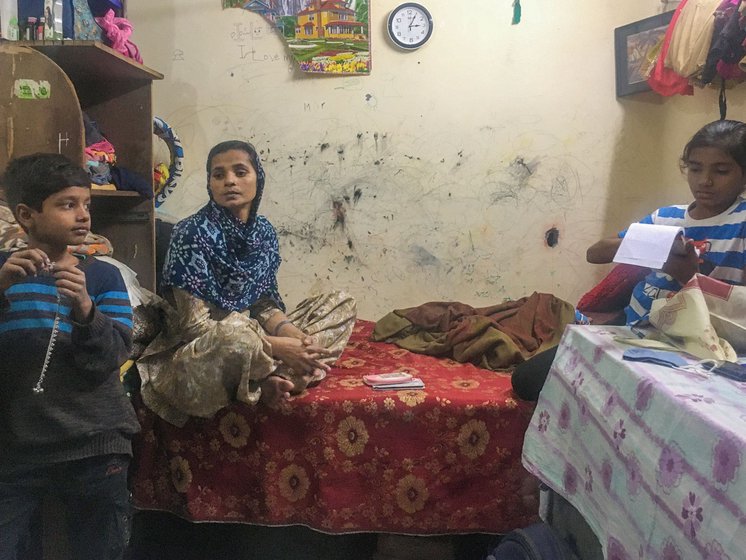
(410,25)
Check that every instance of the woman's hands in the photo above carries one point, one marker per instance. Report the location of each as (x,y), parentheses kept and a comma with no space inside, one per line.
(301,355)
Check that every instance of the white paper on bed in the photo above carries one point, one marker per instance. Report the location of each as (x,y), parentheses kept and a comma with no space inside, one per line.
(647,245)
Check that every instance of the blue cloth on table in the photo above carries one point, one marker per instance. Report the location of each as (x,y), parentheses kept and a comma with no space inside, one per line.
(660,357)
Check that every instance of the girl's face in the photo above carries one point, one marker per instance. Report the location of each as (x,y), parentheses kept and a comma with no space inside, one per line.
(715,180)
(233,182)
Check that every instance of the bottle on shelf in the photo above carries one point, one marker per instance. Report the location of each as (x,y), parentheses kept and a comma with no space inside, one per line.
(40,25)
(9,20)
(30,32)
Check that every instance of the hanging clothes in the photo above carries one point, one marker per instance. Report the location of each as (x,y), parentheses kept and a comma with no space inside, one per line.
(727,49)
(84,26)
(663,80)
(692,37)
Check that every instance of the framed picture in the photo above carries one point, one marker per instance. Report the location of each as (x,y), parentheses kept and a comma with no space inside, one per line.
(634,46)
(324,36)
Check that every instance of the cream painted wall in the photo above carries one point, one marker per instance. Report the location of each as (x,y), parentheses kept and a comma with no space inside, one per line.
(449,164)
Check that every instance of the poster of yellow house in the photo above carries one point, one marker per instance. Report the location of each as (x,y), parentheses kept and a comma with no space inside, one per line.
(325,36)
(330,19)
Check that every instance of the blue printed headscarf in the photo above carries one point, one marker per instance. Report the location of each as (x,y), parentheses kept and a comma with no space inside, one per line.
(217,258)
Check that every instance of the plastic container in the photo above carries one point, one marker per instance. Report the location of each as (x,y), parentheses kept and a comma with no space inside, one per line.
(9,20)
(30,31)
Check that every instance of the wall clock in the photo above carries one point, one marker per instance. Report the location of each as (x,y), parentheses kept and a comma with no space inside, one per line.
(410,25)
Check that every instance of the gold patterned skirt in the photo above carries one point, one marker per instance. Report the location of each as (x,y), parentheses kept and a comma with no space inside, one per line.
(229,360)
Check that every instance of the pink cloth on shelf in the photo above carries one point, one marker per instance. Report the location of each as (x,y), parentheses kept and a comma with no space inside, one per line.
(118,31)
(103,146)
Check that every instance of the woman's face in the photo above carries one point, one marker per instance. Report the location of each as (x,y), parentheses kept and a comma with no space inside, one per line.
(233,182)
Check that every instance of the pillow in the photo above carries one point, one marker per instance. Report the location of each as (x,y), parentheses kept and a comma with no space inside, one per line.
(11,234)
(614,291)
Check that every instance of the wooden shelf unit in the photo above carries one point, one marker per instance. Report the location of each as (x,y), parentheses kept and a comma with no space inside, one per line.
(115,92)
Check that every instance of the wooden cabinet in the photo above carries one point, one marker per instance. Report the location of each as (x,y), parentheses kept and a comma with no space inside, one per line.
(114,91)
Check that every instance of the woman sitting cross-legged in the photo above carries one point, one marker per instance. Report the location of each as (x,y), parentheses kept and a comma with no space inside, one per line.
(227,336)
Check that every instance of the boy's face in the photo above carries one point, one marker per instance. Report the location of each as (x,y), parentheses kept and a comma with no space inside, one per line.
(65,218)
(715,180)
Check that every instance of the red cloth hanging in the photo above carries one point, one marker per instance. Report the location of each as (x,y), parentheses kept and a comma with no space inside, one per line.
(663,80)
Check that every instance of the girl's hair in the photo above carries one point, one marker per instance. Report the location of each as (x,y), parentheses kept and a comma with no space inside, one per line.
(726,135)
(229,145)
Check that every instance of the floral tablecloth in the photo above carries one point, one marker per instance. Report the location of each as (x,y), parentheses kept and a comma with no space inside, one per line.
(343,457)
(651,456)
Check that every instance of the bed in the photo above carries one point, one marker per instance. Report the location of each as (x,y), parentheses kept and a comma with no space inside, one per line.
(342,457)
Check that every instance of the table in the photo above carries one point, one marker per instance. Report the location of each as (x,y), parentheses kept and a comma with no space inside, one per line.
(651,456)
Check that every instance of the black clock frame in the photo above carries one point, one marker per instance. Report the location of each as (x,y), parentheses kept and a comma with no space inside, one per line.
(390,21)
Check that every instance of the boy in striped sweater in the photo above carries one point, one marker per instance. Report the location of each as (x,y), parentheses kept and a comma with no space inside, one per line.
(714,224)
(65,327)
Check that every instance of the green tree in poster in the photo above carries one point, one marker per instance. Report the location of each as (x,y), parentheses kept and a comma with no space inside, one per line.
(232,3)
(361,13)
(286,25)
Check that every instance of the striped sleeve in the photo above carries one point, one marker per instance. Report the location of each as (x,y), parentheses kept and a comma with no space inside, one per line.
(115,304)
(109,293)
(656,285)
(668,215)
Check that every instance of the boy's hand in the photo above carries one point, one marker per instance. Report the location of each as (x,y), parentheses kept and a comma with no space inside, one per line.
(70,282)
(22,264)
(682,265)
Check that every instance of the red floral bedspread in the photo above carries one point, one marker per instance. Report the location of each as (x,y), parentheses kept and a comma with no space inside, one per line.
(343,457)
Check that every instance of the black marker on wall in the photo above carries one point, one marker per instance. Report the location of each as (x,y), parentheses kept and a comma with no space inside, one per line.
(552,237)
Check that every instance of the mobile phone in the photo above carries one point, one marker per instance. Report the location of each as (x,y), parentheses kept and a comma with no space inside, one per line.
(386,378)
(730,370)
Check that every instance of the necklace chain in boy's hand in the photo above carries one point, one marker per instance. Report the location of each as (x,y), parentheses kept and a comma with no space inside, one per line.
(70,282)
(22,264)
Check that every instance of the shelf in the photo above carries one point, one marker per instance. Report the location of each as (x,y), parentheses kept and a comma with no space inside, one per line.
(115,92)
(85,61)
(113,202)
(104,193)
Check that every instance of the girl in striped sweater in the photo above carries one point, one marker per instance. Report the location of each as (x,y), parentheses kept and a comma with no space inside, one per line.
(714,161)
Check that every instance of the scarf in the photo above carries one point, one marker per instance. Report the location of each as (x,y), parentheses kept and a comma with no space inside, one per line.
(219,259)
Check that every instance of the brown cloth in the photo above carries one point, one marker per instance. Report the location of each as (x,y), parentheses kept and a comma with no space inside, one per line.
(495,337)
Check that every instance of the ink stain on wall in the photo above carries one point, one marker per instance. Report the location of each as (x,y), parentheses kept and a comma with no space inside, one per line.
(522,168)
(347,212)
(552,237)
(339,213)
(423,257)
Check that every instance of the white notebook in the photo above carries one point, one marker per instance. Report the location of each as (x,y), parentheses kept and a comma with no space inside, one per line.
(647,245)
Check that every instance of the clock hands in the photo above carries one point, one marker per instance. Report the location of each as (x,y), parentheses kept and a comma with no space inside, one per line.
(412,21)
